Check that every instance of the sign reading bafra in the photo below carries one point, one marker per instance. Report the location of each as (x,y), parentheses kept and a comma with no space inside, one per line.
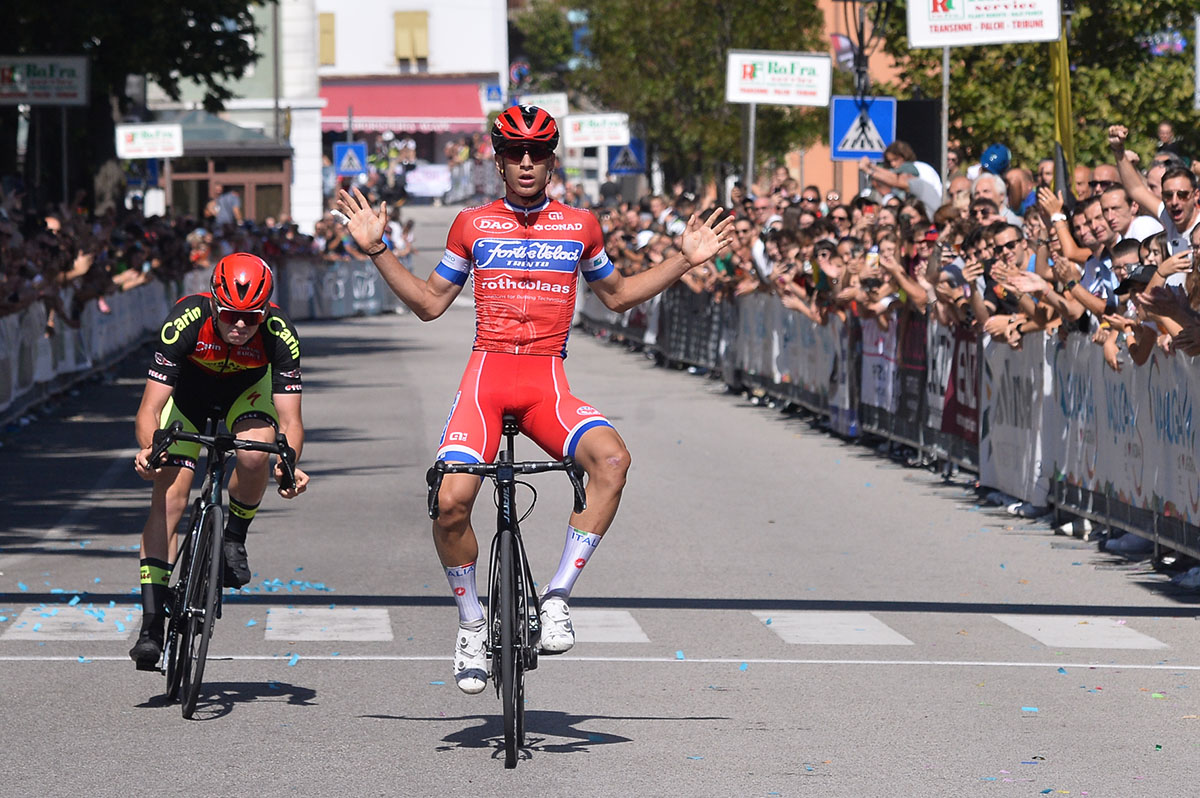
(773,78)
(956,23)
(149,141)
(43,80)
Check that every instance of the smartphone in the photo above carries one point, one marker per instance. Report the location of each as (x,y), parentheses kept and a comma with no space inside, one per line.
(872,257)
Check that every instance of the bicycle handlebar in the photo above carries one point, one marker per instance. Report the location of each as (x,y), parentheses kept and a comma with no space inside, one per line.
(226,442)
(574,471)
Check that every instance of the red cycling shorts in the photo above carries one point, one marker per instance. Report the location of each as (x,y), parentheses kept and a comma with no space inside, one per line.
(533,388)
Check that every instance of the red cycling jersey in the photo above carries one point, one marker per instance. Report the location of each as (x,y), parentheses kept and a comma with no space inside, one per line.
(524,262)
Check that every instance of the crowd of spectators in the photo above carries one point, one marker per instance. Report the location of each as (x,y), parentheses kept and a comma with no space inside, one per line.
(44,251)
(995,246)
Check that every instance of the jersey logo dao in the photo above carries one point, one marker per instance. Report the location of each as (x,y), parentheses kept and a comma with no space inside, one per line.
(491,224)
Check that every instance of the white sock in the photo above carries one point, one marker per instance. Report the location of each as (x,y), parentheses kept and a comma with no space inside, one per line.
(576,552)
(462,582)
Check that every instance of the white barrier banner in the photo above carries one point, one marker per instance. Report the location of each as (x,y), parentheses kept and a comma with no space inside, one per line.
(879,377)
(1012,420)
(1168,428)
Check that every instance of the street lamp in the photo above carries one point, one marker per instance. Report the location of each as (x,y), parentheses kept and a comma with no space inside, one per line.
(864,41)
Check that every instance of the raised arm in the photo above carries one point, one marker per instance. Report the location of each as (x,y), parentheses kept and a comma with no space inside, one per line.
(1136,187)
(427,298)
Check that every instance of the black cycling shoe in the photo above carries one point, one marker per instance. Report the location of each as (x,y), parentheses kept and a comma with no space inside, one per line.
(147,650)
(237,568)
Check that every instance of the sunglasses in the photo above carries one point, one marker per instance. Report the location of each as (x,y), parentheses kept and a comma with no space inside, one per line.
(837,217)
(1010,246)
(247,317)
(810,199)
(982,213)
(536,154)
(1170,195)
(1101,183)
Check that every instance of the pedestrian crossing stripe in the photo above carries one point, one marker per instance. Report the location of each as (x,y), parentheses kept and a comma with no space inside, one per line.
(832,628)
(626,161)
(51,623)
(328,623)
(862,136)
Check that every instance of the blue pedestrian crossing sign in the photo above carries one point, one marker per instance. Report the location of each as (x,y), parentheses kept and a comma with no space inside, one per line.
(350,158)
(629,159)
(858,128)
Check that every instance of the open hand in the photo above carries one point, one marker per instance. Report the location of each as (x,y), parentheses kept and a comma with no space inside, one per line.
(365,225)
(703,241)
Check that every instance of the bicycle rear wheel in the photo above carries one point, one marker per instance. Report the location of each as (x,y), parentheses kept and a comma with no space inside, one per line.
(510,656)
(201,611)
(174,642)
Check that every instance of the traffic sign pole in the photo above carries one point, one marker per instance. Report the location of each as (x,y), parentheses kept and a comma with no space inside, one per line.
(750,148)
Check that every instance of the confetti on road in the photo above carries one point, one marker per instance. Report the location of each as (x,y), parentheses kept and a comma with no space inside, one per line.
(292,662)
(83,659)
(252,622)
(695,757)
(74,600)
(743,666)
(1062,670)
(22,587)
(1029,709)
(437,683)
(678,655)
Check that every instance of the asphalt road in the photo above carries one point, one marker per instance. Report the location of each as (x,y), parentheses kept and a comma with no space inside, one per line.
(775,612)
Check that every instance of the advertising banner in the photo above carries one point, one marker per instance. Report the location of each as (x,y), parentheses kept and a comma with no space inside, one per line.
(149,141)
(774,78)
(596,130)
(43,80)
(958,23)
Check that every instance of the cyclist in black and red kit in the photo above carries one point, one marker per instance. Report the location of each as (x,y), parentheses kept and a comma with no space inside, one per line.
(232,355)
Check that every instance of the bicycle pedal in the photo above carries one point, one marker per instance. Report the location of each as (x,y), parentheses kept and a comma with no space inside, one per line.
(147,666)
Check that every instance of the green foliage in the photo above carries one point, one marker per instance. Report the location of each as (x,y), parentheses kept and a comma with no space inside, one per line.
(542,35)
(1005,92)
(664,64)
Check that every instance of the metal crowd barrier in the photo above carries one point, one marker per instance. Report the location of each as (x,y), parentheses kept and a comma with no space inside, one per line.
(1050,424)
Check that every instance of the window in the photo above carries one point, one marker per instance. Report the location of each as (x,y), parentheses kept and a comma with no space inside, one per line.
(326,44)
(412,36)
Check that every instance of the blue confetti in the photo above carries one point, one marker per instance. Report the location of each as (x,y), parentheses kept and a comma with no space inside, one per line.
(251,622)
(120,626)
(22,587)
(336,654)
(1029,709)
(83,659)
(74,600)
(768,621)
(678,655)
(301,568)
(437,682)
(274,685)
(37,626)
(96,580)
(292,662)
(743,666)
(695,757)
(1062,670)
(3,618)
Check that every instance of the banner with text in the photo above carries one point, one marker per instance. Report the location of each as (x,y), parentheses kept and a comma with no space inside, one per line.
(959,23)
(774,78)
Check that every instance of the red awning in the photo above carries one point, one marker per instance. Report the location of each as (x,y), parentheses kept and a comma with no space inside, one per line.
(427,107)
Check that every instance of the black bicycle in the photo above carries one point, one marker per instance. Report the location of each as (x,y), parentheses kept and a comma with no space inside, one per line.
(194,602)
(513,604)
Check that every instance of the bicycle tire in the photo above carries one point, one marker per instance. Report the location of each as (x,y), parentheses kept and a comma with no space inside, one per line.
(509,654)
(173,640)
(202,605)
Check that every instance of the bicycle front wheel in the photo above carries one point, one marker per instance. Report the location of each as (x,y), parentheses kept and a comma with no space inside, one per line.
(510,656)
(201,611)
(175,640)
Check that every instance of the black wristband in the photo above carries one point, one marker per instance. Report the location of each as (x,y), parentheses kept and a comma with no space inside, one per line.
(382,249)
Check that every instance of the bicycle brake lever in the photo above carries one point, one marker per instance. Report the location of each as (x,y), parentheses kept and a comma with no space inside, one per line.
(163,438)
(433,480)
(575,473)
(287,461)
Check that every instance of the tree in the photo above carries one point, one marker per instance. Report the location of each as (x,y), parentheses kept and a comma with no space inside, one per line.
(664,65)
(207,41)
(1004,92)
(543,35)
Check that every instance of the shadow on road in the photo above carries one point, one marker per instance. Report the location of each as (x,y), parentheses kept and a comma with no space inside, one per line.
(546,731)
(219,698)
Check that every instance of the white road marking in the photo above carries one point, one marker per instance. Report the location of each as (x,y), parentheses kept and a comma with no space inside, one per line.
(1079,631)
(832,628)
(325,623)
(62,622)
(1107,667)
(607,626)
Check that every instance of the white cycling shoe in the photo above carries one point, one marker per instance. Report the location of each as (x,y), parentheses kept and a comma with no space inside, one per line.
(558,635)
(470,660)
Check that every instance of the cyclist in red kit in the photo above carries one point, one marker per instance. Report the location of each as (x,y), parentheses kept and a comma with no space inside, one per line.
(524,252)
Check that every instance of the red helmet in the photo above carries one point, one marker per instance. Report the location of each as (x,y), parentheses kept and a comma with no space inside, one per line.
(522,125)
(242,281)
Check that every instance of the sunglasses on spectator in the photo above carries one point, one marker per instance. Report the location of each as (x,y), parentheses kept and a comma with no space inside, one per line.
(810,199)
(1010,246)
(248,317)
(537,154)
(1101,183)
(1169,195)
(982,213)
(839,217)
